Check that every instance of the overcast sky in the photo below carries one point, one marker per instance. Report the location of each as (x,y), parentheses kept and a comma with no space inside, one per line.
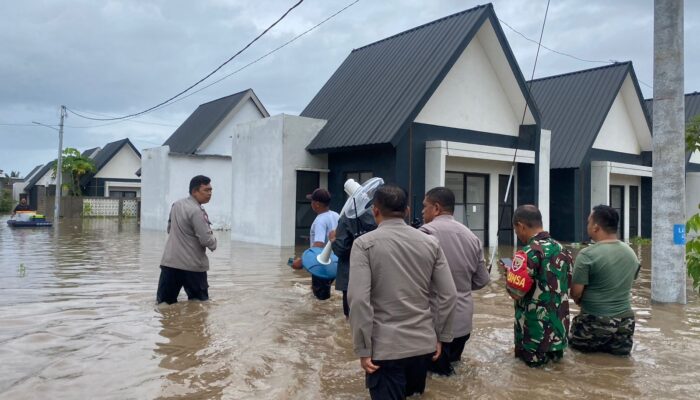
(118,57)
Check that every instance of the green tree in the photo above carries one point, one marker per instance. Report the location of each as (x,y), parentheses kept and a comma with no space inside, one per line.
(692,247)
(75,166)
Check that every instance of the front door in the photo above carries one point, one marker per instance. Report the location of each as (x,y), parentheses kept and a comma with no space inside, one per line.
(307,182)
(505,211)
(471,201)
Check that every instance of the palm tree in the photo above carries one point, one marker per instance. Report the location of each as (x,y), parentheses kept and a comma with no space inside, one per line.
(75,166)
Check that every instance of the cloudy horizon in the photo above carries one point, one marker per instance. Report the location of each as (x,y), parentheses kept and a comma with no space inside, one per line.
(115,58)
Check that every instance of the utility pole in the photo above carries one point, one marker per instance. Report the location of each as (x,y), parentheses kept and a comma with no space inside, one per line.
(59,168)
(668,271)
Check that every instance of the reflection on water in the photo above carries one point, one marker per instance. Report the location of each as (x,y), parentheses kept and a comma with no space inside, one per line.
(79,321)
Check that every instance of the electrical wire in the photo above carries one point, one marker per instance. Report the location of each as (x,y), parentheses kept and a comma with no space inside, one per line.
(196,83)
(522,120)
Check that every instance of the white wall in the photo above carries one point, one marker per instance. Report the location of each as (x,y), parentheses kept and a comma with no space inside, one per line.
(624,129)
(165,178)
(480,92)
(219,142)
(543,177)
(123,165)
(265,157)
(604,174)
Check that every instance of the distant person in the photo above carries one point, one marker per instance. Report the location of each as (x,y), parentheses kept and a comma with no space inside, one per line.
(396,272)
(538,281)
(185,261)
(21,206)
(602,285)
(326,221)
(465,256)
(343,238)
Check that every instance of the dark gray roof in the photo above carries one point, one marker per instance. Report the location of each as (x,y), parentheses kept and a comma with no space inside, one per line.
(46,168)
(29,175)
(692,106)
(574,106)
(204,120)
(90,153)
(106,154)
(380,88)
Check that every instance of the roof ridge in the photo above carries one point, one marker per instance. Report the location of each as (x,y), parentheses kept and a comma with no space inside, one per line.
(423,26)
(225,97)
(615,64)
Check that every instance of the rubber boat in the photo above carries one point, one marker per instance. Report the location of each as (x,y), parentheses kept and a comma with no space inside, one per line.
(28,219)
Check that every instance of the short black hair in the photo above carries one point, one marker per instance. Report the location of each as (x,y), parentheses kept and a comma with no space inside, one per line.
(443,196)
(528,215)
(606,217)
(198,181)
(391,200)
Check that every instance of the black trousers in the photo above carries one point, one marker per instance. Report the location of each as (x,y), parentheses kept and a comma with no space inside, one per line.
(451,352)
(321,287)
(173,279)
(346,305)
(397,379)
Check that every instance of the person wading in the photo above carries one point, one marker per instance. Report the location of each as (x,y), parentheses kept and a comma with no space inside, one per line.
(465,256)
(185,261)
(602,285)
(395,270)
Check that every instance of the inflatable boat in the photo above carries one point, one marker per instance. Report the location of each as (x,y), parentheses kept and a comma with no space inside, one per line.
(28,219)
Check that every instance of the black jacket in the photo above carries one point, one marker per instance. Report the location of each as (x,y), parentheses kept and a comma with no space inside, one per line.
(344,237)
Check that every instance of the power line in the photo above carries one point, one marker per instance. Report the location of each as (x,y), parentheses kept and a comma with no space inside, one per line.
(566,54)
(263,56)
(199,81)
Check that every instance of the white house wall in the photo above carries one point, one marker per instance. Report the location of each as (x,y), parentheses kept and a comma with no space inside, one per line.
(480,92)
(165,178)
(123,165)
(219,142)
(624,129)
(266,157)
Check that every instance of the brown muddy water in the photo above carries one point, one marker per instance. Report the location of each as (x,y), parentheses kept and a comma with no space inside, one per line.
(78,320)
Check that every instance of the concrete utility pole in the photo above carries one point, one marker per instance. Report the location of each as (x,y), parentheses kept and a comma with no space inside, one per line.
(668,271)
(59,169)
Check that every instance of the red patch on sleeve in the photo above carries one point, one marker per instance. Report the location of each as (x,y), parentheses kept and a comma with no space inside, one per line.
(518,281)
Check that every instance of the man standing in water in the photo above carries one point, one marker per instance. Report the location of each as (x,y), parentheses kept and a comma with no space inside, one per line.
(185,261)
(21,206)
(603,276)
(395,272)
(465,256)
(325,222)
(538,281)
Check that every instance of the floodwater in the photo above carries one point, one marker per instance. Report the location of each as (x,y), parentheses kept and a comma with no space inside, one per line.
(78,320)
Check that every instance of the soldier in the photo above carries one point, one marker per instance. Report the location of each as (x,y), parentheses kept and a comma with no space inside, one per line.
(602,282)
(538,281)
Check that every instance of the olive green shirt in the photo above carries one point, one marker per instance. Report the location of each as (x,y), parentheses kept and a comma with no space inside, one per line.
(607,269)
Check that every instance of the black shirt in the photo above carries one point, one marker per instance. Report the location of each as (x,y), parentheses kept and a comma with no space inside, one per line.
(23,207)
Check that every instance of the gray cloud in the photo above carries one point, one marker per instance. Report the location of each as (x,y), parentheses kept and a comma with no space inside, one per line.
(118,57)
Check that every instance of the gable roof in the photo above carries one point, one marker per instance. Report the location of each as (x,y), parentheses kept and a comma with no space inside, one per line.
(31,173)
(574,106)
(380,88)
(692,105)
(38,175)
(206,118)
(106,154)
(90,153)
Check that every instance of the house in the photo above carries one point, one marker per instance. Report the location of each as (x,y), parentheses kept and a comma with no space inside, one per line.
(601,148)
(18,187)
(692,165)
(40,187)
(441,104)
(115,176)
(202,145)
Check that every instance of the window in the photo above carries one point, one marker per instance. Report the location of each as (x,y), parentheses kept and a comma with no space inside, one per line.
(471,201)
(634,211)
(617,201)
(122,194)
(359,177)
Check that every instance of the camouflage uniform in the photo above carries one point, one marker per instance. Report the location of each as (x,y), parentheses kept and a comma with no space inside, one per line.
(542,315)
(612,335)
